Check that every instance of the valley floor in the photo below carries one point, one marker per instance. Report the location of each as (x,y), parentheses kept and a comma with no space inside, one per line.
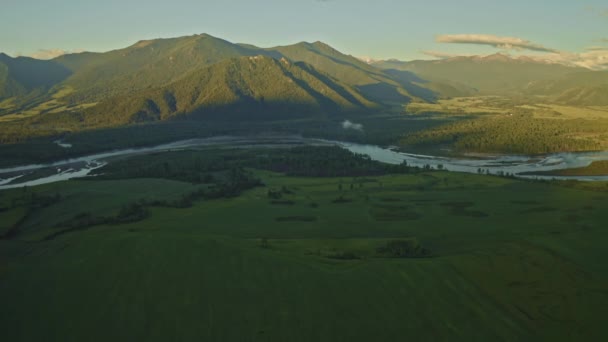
(298,259)
(495,124)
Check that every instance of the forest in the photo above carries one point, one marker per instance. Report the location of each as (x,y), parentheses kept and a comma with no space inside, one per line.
(521,134)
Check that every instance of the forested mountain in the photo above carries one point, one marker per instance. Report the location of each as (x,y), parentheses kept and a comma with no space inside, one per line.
(154,63)
(21,76)
(257,86)
(202,76)
(149,64)
(146,64)
(371,81)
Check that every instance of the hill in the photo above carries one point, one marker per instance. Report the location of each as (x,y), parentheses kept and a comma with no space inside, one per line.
(236,87)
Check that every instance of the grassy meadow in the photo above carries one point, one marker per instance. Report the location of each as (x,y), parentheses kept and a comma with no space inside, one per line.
(495,124)
(301,259)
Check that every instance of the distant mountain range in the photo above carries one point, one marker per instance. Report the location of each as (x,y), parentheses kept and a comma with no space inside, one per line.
(588,88)
(204,76)
(496,74)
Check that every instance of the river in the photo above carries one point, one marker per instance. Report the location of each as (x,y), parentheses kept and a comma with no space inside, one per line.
(512,164)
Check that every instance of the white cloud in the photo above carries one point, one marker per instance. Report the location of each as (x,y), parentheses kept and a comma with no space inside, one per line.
(596,48)
(595,58)
(347,124)
(51,53)
(506,43)
(367,59)
(592,59)
(441,55)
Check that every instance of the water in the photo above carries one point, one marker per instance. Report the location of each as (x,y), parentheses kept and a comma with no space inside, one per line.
(62,144)
(512,164)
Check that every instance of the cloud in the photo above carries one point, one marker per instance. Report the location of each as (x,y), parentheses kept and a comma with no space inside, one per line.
(594,59)
(351,125)
(596,48)
(441,55)
(51,53)
(507,43)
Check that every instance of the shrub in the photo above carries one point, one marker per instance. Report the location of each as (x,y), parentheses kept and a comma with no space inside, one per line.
(410,248)
(344,256)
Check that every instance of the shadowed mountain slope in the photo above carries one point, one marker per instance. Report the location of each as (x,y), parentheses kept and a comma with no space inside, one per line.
(244,87)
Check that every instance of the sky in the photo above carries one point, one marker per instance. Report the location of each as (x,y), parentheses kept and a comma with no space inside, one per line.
(379,29)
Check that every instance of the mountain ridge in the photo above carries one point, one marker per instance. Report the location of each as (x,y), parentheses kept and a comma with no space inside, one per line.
(143,69)
(155,62)
(239,87)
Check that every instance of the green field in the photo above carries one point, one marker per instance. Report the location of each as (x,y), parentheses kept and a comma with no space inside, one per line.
(496,124)
(299,259)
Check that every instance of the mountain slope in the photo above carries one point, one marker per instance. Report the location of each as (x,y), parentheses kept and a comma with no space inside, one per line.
(243,87)
(146,64)
(588,88)
(89,79)
(154,63)
(22,75)
(329,60)
(490,75)
(371,81)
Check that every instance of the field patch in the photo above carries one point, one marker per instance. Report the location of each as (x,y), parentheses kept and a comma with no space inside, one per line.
(296,219)
(461,209)
(394,213)
(540,209)
(9,218)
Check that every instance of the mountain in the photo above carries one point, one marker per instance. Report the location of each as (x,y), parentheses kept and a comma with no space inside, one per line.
(146,64)
(327,59)
(21,76)
(496,74)
(589,88)
(369,80)
(242,87)
(203,76)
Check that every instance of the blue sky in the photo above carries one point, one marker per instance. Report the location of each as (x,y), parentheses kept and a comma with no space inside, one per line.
(378,29)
